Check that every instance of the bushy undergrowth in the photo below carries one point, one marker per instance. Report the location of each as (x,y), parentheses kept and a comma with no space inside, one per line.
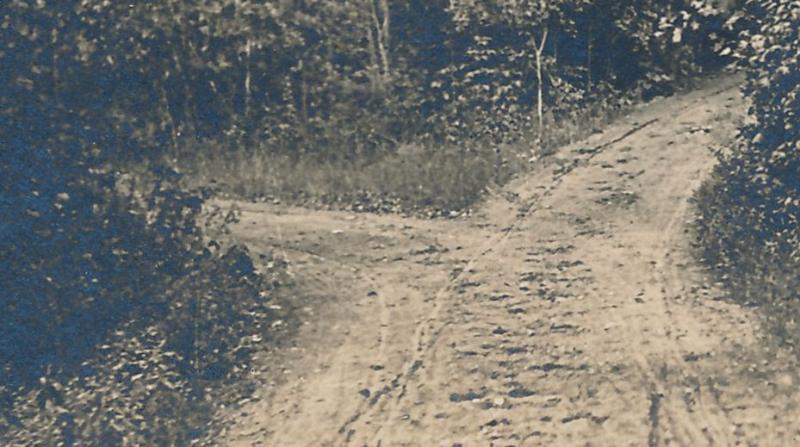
(422,178)
(473,89)
(749,211)
(158,379)
(122,320)
(118,320)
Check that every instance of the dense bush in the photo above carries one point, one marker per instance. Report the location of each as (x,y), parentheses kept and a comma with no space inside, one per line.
(571,52)
(353,79)
(749,212)
(117,318)
(358,82)
(116,314)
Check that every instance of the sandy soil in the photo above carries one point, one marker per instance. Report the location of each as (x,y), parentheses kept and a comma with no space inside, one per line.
(566,311)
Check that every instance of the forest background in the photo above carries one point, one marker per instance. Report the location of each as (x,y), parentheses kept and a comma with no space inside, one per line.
(126,320)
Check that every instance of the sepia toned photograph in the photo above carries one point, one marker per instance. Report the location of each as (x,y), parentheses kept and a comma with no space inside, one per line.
(399,223)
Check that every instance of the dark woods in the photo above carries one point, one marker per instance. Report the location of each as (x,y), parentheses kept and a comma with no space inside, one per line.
(117,313)
(344,79)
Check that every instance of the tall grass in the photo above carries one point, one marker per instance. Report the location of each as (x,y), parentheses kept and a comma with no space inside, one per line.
(436,179)
(410,177)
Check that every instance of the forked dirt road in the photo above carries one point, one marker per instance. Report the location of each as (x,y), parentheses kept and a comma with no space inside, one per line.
(567,311)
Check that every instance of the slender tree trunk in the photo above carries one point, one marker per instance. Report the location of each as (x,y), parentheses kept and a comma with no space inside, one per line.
(539,52)
(248,94)
(386,37)
(381,37)
(304,98)
(539,95)
(186,47)
(187,126)
(247,64)
(300,99)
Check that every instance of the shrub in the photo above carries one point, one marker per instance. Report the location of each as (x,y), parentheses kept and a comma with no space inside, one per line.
(749,212)
(117,317)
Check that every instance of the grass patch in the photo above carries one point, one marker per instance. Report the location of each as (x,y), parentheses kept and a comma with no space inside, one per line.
(411,179)
(415,178)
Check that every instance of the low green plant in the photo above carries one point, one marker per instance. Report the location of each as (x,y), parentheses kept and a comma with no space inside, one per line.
(119,316)
(749,212)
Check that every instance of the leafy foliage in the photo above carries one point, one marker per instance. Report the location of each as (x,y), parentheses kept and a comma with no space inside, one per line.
(587,51)
(112,301)
(352,79)
(118,317)
(749,218)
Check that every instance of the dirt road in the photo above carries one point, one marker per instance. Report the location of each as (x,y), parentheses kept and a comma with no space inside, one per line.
(566,311)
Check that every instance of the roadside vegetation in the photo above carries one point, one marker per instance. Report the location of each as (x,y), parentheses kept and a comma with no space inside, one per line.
(420,106)
(748,212)
(125,317)
(124,321)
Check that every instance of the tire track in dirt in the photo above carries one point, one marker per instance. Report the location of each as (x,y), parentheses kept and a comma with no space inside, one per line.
(427,333)
(703,425)
(566,316)
(373,380)
(354,269)
(698,423)
(423,342)
(712,416)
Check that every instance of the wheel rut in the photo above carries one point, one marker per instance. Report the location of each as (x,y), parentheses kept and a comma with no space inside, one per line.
(571,313)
